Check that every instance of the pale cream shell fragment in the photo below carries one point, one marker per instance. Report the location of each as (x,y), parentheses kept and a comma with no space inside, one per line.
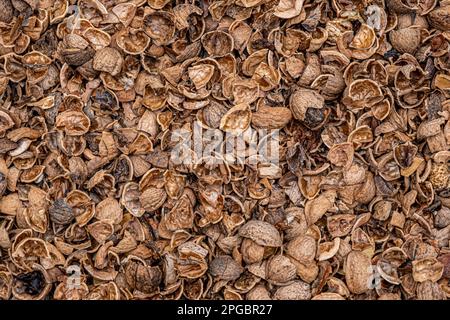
(125,12)
(97,38)
(200,74)
(130,199)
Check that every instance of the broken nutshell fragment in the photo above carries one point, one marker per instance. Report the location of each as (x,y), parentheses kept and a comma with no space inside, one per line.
(139,276)
(31,286)
(60,212)
(108,60)
(287,9)
(250,149)
(357,272)
(271,117)
(262,233)
(237,119)
(225,268)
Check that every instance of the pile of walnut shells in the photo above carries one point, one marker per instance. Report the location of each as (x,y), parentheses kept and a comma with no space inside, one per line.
(93,207)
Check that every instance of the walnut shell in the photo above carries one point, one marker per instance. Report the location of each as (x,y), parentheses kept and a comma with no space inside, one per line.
(271,117)
(218,43)
(60,212)
(152,199)
(237,119)
(108,60)
(302,248)
(280,270)
(287,9)
(98,39)
(251,252)
(262,233)
(160,27)
(405,40)
(427,269)
(358,272)
(316,208)
(439,175)
(225,267)
(74,123)
(297,290)
(302,100)
(6,11)
(109,210)
(439,18)
(133,42)
(258,293)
